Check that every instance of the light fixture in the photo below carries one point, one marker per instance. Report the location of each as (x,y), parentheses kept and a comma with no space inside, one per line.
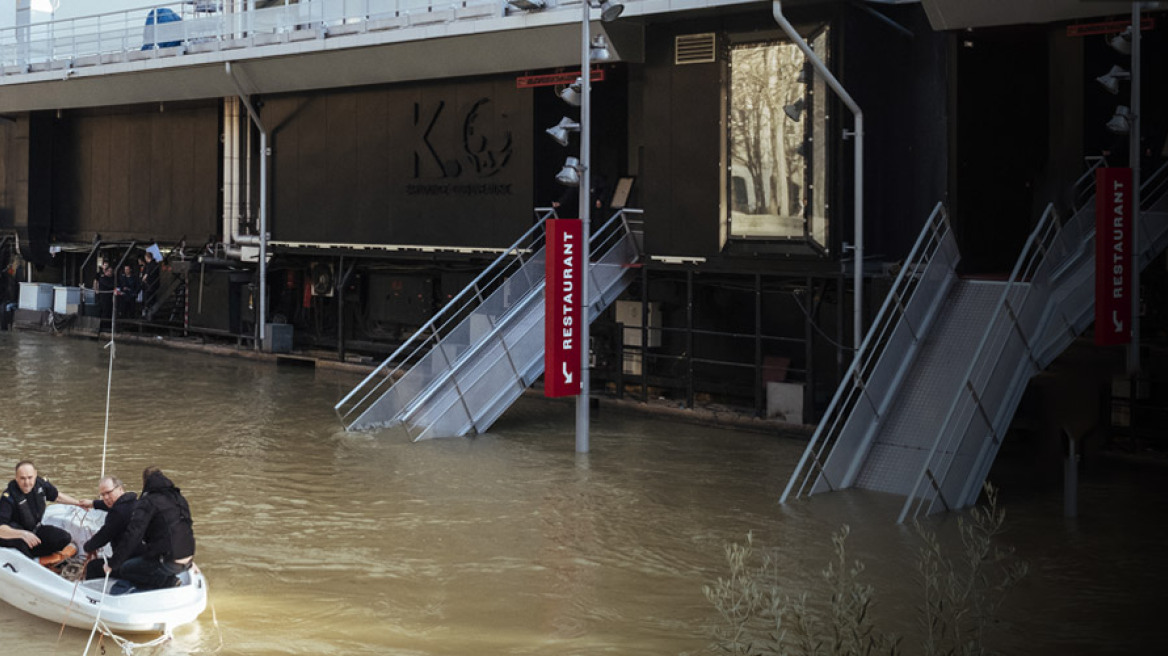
(610,11)
(599,51)
(1110,80)
(571,94)
(1121,42)
(794,111)
(560,131)
(527,5)
(569,176)
(1120,123)
(804,75)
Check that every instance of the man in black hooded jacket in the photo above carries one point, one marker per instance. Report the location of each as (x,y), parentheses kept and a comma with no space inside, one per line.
(22,506)
(161,521)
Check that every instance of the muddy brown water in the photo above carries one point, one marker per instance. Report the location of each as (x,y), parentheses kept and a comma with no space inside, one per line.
(317,541)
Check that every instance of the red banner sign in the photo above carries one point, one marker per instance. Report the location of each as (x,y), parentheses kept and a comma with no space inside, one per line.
(553,79)
(562,311)
(1113,257)
(1109,27)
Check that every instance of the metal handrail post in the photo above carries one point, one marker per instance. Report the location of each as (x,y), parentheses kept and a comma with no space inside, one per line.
(852,372)
(1047,216)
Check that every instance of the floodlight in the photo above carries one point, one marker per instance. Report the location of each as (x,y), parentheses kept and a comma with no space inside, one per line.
(609,11)
(1120,123)
(794,111)
(1121,42)
(571,94)
(599,51)
(1110,80)
(569,176)
(560,131)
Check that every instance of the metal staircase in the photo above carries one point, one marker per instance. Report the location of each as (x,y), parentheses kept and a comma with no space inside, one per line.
(475,357)
(901,421)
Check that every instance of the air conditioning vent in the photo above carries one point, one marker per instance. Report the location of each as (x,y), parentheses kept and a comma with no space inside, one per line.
(694,49)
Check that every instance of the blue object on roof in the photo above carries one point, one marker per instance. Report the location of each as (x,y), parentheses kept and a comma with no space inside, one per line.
(159,16)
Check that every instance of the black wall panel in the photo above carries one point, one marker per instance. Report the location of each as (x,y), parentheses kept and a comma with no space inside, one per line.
(427,164)
(682,149)
(145,172)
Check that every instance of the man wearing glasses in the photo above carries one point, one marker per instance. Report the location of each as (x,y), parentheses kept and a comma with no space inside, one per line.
(120,505)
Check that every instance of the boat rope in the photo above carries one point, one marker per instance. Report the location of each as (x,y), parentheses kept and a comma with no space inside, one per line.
(109,385)
(97,620)
(76,584)
(127,646)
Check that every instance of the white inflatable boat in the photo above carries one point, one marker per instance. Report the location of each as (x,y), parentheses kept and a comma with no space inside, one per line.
(35,589)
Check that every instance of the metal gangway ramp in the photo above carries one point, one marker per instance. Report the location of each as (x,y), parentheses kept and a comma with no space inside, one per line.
(924,407)
(460,371)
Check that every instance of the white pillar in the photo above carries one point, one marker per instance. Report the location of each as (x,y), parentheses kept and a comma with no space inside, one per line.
(585,206)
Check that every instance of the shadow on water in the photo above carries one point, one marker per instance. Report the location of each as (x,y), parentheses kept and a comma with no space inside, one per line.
(318,541)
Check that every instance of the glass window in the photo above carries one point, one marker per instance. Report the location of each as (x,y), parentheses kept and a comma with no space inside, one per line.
(777,179)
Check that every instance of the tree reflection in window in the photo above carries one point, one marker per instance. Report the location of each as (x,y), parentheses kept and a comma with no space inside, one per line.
(771,154)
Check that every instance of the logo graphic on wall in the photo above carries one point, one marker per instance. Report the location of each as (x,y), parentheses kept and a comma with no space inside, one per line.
(460,147)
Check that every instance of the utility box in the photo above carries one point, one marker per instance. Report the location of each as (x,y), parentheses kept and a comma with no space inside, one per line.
(785,400)
(278,337)
(628,313)
(36,296)
(66,300)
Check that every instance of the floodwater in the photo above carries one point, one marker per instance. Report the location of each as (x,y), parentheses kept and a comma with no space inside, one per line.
(316,541)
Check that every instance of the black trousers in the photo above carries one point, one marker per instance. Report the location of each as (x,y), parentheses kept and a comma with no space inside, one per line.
(53,539)
(150,572)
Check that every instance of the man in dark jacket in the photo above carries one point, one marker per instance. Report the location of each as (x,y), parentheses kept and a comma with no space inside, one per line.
(119,505)
(161,521)
(22,507)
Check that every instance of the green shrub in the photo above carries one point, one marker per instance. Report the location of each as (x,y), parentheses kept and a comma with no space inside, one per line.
(961,592)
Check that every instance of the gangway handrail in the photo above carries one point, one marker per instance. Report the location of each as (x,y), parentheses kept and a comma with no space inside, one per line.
(1028,261)
(603,243)
(834,418)
(454,307)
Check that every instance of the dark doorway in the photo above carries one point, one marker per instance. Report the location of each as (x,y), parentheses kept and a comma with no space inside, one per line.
(1000,111)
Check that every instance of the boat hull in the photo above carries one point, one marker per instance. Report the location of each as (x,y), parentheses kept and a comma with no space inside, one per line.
(39,591)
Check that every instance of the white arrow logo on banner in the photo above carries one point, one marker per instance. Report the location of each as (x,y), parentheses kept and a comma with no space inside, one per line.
(1115,320)
(567,374)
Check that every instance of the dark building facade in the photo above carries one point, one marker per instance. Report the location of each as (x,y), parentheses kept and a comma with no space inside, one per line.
(387,193)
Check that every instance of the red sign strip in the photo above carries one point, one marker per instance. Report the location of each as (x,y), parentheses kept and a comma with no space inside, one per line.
(1110,27)
(1113,256)
(553,79)
(562,309)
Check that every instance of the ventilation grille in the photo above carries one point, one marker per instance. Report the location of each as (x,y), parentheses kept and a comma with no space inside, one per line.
(694,49)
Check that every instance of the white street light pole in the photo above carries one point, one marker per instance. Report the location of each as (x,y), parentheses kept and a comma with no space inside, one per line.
(1133,353)
(585,206)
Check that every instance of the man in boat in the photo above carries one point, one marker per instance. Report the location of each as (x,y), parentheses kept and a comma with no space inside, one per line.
(22,507)
(161,521)
(119,504)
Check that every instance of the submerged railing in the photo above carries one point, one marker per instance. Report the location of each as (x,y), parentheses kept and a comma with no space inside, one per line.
(862,398)
(524,256)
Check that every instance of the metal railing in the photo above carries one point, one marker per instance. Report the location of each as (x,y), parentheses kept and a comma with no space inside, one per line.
(180,27)
(871,382)
(469,323)
(454,314)
(173,27)
(470,392)
(1046,303)
(1002,361)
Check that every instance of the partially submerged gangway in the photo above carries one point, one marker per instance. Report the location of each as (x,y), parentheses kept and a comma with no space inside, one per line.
(461,370)
(924,407)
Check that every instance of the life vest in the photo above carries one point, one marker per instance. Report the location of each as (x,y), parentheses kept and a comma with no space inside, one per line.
(29,508)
